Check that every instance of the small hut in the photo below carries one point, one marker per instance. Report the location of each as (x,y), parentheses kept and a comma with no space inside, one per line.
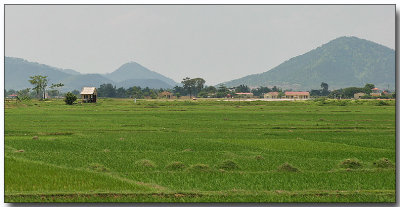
(89,94)
(165,94)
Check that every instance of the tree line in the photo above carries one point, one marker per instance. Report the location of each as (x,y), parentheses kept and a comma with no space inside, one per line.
(192,87)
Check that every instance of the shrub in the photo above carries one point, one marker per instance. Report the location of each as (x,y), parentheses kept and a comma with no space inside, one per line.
(382,103)
(351,164)
(70,98)
(286,167)
(175,166)
(383,163)
(228,165)
(342,103)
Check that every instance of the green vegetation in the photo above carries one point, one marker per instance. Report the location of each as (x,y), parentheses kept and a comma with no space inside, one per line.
(383,163)
(70,98)
(286,167)
(351,164)
(117,150)
(342,62)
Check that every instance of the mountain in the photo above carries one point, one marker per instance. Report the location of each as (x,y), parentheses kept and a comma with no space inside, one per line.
(69,71)
(77,82)
(342,62)
(18,72)
(133,70)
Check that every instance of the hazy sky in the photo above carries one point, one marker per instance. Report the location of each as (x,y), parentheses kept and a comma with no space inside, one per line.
(215,42)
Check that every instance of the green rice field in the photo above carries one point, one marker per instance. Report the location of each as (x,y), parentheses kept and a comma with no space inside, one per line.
(200,151)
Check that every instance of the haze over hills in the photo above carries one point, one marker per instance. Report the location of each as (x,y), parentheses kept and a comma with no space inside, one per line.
(18,71)
(342,62)
(132,69)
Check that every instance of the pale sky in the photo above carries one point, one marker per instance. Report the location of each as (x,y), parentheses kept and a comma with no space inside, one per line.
(215,42)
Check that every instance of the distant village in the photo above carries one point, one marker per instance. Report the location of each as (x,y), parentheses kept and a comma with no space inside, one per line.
(195,88)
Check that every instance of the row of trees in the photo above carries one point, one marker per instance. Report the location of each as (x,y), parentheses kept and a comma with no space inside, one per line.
(108,90)
(190,87)
(348,92)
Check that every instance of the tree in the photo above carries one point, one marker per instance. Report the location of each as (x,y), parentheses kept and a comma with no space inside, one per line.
(242,89)
(137,92)
(152,94)
(260,91)
(210,89)
(198,85)
(324,89)
(189,85)
(180,90)
(106,90)
(121,92)
(203,94)
(24,94)
(315,92)
(56,92)
(336,94)
(9,92)
(275,89)
(222,91)
(70,98)
(40,83)
(75,92)
(350,91)
(368,88)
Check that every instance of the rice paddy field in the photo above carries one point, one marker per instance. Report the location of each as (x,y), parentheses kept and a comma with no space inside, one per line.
(200,151)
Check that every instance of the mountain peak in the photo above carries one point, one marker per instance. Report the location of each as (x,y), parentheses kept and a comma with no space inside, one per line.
(342,62)
(133,70)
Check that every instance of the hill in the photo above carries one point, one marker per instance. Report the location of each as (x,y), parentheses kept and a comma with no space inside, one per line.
(135,71)
(342,62)
(18,71)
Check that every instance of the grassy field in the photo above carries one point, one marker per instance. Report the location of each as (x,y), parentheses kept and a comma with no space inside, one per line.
(200,151)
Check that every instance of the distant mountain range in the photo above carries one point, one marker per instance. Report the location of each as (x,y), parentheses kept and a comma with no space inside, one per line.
(18,71)
(342,62)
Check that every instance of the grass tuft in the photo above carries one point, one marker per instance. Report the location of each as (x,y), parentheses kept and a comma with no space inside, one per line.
(228,165)
(259,157)
(175,166)
(199,168)
(351,163)
(383,163)
(286,167)
(98,167)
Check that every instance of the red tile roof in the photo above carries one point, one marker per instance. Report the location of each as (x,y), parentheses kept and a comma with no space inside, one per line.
(292,93)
